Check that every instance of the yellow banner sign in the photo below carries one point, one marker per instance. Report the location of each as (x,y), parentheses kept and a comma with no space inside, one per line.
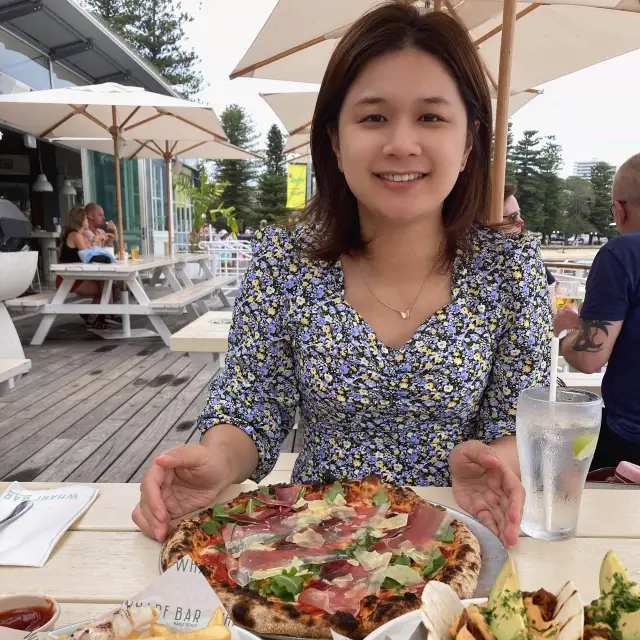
(296,186)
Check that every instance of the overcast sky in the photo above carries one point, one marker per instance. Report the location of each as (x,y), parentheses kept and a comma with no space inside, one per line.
(594,113)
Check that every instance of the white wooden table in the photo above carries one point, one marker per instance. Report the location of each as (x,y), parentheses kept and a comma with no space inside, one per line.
(129,272)
(206,338)
(104,559)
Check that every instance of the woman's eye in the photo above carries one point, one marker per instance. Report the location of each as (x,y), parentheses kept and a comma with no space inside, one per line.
(430,117)
(374,117)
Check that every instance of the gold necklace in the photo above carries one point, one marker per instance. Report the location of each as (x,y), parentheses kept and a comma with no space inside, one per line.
(407,312)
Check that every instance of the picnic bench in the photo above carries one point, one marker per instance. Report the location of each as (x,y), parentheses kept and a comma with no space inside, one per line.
(184,294)
(10,369)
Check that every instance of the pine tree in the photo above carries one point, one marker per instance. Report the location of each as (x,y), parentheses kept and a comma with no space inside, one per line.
(272,184)
(111,11)
(578,201)
(238,175)
(155,28)
(602,175)
(550,163)
(526,158)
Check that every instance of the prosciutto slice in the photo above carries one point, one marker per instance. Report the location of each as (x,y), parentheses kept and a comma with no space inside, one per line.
(340,587)
(423,527)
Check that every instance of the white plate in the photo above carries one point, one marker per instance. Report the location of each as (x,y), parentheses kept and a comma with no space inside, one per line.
(406,624)
(70,628)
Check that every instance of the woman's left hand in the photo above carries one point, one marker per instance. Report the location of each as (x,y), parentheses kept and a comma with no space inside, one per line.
(488,489)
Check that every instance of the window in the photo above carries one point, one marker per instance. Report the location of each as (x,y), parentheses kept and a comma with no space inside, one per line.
(158,196)
(22,62)
(62,77)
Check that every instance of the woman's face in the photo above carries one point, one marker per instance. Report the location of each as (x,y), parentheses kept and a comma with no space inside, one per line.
(402,137)
(85,223)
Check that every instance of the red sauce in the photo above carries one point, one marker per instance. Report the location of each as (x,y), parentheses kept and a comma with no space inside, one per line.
(27,618)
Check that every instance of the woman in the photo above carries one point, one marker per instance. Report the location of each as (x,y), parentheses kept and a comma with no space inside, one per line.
(401,330)
(73,240)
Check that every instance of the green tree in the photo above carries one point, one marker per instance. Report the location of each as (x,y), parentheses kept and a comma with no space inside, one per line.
(111,11)
(272,183)
(550,163)
(155,28)
(578,202)
(602,175)
(526,158)
(238,175)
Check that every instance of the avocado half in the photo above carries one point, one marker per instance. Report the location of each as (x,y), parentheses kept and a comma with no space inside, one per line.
(508,621)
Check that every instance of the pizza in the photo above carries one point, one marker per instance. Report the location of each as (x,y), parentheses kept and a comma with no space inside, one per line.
(302,559)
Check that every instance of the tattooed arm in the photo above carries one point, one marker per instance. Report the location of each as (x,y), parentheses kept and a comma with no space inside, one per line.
(588,348)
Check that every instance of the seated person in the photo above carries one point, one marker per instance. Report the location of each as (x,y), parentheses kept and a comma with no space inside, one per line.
(72,241)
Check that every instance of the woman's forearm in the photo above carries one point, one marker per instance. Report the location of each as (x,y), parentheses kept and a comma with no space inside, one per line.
(506,449)
(237,447)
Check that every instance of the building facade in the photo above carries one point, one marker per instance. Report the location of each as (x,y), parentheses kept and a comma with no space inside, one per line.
(54,44)
(583,169)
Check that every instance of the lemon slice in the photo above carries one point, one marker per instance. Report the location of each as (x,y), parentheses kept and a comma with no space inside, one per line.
(584,446)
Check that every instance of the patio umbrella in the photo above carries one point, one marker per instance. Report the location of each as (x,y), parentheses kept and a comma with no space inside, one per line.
(524,44)
(125,113)
(168,150)
(295,111)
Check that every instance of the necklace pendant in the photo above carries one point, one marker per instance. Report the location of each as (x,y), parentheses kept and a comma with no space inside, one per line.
(405,314)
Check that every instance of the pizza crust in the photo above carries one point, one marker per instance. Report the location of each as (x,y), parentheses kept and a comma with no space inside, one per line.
(262,616)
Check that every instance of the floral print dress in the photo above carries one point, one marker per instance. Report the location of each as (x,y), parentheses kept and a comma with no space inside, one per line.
(365,407)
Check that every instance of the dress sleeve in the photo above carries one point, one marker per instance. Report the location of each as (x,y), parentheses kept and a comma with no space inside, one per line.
(522,356)
(257,391)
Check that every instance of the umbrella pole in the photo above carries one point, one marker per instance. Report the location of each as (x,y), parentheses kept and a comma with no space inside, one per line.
(167,170)
(502,111)
(115,134)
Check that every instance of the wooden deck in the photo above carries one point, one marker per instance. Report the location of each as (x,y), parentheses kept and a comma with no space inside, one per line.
(94,410)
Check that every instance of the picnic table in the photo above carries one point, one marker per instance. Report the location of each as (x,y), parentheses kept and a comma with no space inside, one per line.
(171,269)
(104,558)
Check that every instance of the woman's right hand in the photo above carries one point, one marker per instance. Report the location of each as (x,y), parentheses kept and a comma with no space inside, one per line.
(178,482)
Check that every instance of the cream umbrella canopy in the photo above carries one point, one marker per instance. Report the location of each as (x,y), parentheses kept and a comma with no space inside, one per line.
(295,111)
(521,43)
(124,113)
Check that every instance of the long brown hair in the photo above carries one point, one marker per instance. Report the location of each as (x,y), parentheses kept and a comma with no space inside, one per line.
(72,222)
(332,214)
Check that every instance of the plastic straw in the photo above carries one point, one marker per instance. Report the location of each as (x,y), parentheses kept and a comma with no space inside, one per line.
(547,475)
(553,384)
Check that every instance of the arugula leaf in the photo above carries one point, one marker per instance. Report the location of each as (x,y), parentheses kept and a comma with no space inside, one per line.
(401,559)
(220,516)
(311,568)
(219,547)
(301,494)
(366,539)
(252,504)
(264,491)
(439,507)
(381,498)
(335,491)
(434,564)
(211,527)
(449,534)
(389,584)
(285,587)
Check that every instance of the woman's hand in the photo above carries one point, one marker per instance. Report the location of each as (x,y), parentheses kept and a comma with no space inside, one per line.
(178,482)
(487,487)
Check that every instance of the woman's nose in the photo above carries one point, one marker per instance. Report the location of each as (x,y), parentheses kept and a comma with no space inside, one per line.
(402,141)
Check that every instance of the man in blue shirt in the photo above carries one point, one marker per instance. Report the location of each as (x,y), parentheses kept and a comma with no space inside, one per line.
(607,331)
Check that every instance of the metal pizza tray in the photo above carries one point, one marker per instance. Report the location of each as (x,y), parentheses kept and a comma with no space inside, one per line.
(493,553)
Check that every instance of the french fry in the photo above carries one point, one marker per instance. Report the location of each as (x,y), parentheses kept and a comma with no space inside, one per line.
(159,630)
(134,635)
(145,634)
(217,618)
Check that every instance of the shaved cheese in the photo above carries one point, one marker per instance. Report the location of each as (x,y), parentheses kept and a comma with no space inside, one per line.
(309,539)
(341,581)
(317,511)
(339,501)
(372,560)
(394,522)
(406,576)
(353,562)
(296,563)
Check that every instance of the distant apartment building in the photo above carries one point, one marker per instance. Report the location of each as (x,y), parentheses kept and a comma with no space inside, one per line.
(583,169)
